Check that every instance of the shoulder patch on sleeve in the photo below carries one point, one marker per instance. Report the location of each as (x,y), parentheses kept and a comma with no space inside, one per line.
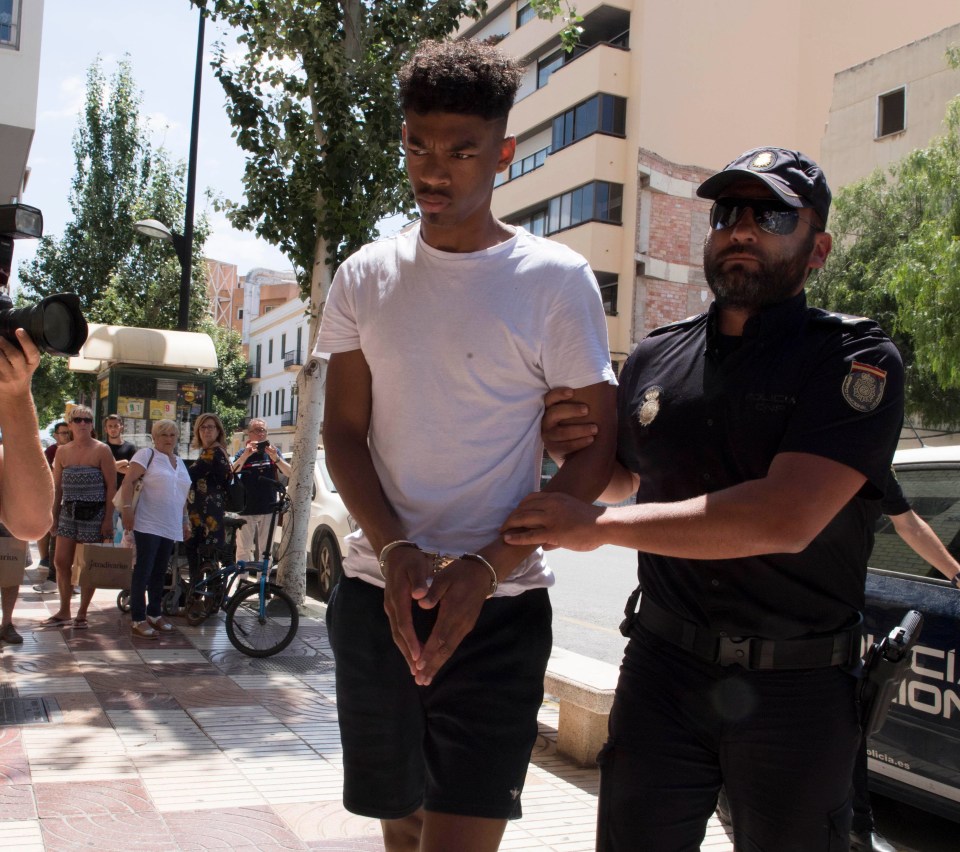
(863,386)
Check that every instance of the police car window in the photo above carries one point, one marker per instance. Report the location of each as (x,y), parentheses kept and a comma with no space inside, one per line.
(935,497)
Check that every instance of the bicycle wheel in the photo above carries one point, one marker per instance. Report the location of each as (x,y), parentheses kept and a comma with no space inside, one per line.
(256,636)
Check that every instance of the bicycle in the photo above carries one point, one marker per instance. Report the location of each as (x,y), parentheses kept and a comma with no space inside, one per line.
(261,617)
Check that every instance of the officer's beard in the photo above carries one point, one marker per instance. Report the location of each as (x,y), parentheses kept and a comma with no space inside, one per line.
(770,282)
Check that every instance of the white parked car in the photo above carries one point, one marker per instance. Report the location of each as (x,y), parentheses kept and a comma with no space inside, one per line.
(329,523)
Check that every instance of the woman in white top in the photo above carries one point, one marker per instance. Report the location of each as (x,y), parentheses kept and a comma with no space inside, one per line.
(159,521)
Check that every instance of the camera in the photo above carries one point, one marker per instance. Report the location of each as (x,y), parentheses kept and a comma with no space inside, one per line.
(55,324)
(262,445)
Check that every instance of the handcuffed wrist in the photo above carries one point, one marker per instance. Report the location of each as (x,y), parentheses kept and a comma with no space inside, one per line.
(386,552)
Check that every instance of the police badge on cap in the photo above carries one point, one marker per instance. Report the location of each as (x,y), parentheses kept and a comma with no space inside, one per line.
(863,386)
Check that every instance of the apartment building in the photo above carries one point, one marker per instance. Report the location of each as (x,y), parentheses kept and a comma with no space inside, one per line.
(225,292)
(279,340)
(888,106)
(613,137)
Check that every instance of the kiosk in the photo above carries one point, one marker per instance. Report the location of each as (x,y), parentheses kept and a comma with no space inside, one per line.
(149,374)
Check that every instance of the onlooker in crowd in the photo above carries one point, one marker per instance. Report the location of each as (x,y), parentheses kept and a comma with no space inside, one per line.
(26,487)
(257,464)
(85,479)
(159,521)
(444,339)
(757,439)
(122,451)
(206,503)
(45,544)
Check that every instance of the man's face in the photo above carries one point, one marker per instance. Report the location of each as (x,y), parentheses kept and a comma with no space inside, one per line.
(748,268)
(113,428)
(452,160)
(62,435)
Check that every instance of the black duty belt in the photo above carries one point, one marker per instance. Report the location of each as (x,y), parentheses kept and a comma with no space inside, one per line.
(751,652)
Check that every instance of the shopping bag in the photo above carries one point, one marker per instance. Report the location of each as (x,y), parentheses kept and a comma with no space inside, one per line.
(13,561)
(103,566)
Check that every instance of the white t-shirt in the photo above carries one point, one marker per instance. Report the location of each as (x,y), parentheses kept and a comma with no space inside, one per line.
(461,349)
(160,507)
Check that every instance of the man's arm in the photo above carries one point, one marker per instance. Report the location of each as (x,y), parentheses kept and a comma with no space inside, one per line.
(346,424)
(26,486)
(916,532)
(780,513)
(464,585)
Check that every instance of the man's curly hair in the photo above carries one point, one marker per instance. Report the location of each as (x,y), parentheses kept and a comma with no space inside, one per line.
(465,77)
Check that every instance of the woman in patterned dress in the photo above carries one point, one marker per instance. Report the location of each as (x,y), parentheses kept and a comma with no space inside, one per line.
(206,502)
(85,480)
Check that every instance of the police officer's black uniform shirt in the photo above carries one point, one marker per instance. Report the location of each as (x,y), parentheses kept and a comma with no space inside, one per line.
(894,501)
(700,412)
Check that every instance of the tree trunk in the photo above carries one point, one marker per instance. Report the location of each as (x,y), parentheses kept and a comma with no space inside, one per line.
(310,385)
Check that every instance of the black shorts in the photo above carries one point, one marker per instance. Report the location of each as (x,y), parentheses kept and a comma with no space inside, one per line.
(459,746)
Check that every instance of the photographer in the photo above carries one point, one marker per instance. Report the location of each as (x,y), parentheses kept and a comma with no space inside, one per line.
(26,486)
(256,465)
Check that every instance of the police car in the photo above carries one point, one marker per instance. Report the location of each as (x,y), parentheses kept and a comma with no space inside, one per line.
(915,756)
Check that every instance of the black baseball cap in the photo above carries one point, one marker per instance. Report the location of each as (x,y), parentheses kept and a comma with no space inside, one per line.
(792,176)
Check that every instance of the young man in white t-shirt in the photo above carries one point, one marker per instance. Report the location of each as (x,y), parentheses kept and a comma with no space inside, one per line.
(444,340)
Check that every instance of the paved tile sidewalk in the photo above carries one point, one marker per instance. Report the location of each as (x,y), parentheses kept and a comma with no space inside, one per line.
(184,743)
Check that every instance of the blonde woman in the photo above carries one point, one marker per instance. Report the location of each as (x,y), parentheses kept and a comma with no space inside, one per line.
(209,476)
(159,522)
(85,480)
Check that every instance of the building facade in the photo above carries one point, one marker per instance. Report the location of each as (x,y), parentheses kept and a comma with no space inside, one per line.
(278,346)
(888,106)
(656,83)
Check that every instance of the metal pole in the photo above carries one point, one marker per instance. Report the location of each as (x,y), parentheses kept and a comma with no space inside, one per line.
(186,262)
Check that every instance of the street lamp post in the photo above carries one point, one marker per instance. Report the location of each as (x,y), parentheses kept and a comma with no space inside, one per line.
(183,243)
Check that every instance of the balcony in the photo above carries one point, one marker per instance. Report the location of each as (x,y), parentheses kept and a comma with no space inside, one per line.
(602,68)
(288,419)
(253,372)
(292,360)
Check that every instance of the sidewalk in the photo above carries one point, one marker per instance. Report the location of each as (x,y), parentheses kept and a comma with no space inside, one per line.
(184,743)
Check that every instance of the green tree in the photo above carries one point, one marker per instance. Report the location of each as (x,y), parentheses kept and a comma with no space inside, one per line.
(896,258)
(313,104)
(230,377)
(120,277)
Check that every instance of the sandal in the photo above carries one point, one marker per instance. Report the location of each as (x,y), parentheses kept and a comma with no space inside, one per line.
(56,621)
(143,630)
(80,623)
(160,623)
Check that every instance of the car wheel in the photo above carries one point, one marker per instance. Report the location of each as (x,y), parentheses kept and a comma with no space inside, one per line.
(328,564)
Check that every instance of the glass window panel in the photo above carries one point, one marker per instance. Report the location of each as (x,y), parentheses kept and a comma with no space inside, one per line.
(553,213)
(586,118)
(566,202)
(557,139)
(586,193)
(576,207)
(615,203)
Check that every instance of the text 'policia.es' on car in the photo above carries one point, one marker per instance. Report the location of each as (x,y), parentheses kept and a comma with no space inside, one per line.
(915,756)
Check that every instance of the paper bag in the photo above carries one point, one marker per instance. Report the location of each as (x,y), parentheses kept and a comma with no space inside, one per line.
(13,561)
(104,566)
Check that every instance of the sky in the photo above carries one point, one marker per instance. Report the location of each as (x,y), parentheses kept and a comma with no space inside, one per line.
(160,37)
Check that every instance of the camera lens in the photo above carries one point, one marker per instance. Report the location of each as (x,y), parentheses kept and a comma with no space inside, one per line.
(55,325)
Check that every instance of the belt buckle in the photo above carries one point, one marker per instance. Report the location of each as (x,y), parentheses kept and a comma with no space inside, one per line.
(736,651)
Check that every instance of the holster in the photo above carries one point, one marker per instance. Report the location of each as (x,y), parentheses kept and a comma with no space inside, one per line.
(884,666)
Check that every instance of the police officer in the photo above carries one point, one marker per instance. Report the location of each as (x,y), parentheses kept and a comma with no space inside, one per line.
(757,437)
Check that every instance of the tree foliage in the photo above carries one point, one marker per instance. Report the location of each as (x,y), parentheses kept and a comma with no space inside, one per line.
(120,277)
(896,258)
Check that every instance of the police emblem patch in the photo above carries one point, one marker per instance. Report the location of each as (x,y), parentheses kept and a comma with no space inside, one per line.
(863,386)
(763,161)
(650,407)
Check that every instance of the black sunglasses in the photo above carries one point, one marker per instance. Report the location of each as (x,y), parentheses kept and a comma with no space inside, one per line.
(774,217)
(82,420)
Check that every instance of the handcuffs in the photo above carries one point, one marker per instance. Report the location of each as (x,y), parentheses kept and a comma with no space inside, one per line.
(440,561)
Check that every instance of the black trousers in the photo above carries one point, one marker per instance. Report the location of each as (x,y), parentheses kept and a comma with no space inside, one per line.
(782,742)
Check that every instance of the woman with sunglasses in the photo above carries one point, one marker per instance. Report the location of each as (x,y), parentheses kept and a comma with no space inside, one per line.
(160,520)
(206,502)
(85,480)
